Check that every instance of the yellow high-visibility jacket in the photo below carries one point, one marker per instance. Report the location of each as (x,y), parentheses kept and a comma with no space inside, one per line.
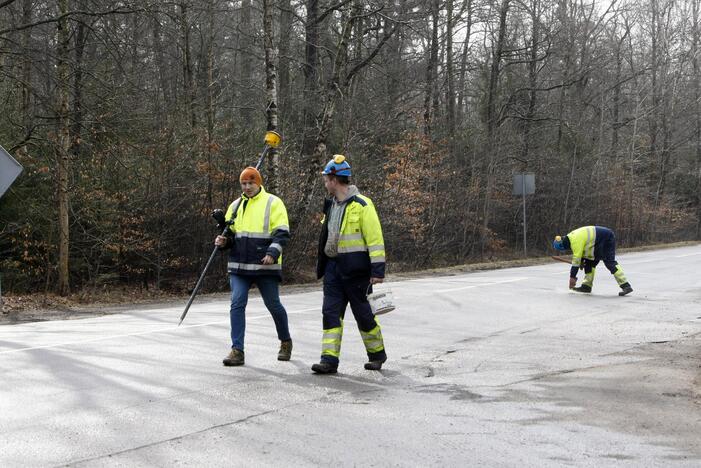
(260,228)
(590,243)
(582,242)
(361,247)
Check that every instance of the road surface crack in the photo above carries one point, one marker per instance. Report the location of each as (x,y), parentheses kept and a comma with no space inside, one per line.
(183,436)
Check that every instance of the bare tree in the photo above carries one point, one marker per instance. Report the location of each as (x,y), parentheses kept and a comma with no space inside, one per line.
(62,147)
(431,68)
(271,109)
(696,83)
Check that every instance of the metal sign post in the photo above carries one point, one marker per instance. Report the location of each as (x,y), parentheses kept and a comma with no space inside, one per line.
(524,184)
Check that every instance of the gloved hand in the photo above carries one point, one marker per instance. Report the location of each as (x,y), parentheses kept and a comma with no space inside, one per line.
(573,282)
(583,263)
(219,217)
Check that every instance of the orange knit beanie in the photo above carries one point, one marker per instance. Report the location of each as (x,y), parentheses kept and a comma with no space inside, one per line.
(251,173)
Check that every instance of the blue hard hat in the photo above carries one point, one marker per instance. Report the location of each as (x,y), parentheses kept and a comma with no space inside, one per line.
(557,243)
(337,166)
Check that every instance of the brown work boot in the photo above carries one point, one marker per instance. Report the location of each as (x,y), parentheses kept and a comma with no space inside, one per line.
(285,352)
(235,358)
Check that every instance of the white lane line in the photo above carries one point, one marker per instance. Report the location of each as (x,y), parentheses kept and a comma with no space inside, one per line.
(687,255)
(481,284)
(160,330)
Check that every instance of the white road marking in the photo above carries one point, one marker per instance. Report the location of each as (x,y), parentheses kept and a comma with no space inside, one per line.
(511,280)
(687,255)
(160,330)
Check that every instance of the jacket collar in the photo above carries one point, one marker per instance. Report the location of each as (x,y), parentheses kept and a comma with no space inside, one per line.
(256,196)
(352,192)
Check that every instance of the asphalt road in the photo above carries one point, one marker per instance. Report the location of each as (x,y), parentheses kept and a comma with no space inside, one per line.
(495,368)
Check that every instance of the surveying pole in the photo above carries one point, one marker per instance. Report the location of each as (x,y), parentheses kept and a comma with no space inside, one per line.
(272,140)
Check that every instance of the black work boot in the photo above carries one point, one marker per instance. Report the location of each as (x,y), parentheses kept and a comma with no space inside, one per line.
(375,365)
(235,358)
(625,289)
(583,288)
(325,367)
(285,352)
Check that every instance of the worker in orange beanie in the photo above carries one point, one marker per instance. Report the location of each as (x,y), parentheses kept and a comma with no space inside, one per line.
(257,236)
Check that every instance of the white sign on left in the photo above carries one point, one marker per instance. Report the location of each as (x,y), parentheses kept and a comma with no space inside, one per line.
(9,170)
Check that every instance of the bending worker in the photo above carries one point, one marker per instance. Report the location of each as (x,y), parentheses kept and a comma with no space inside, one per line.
(589,245)
(257,237)
(351,259)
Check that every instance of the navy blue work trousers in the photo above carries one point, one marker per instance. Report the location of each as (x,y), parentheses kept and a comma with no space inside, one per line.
(604,250)
(339,292)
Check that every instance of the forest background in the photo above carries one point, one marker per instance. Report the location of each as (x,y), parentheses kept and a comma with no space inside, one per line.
(133,120)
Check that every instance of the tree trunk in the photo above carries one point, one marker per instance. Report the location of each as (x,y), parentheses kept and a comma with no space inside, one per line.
(450,96)
(496,70)
(81,37)
(311,85)
(654,72)
(492,122)
(697,111)
(532,81)
(62,148)
(335,87)
(27,112)
(209,98)
(431,69)
(271,89)
(284,60)
(162,112)
(568,46)
(616,104)
(246,76)
(463,65)
(188,74)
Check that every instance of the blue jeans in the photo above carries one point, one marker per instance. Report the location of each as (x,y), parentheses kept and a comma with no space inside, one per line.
(269,289)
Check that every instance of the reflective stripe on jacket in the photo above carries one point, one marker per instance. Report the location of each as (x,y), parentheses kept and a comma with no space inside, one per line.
(582,242)
(361,247)
(261,228)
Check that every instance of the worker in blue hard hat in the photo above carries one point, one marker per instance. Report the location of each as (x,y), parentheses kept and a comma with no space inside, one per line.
(337,166)
(351,259)
(590,245)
